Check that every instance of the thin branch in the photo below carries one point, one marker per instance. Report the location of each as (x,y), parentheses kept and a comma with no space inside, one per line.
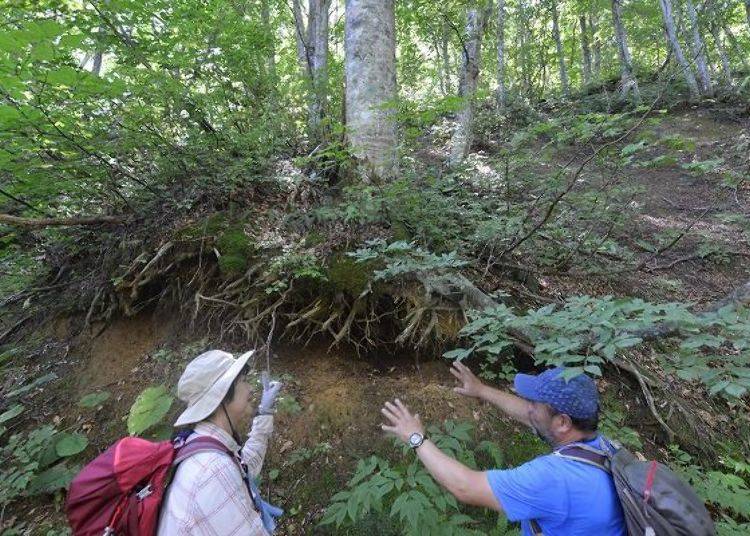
(61,222)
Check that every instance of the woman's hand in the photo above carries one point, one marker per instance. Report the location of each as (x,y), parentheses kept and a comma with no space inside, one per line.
(402,423)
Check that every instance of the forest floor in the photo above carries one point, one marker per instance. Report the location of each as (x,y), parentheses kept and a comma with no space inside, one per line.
(329,417)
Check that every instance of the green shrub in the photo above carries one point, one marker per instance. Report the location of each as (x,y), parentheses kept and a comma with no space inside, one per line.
(407,495)
(585,333)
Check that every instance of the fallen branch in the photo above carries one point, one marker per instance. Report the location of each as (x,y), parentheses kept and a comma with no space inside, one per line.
(38,223)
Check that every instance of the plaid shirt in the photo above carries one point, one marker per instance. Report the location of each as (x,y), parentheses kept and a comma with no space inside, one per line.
(207,496)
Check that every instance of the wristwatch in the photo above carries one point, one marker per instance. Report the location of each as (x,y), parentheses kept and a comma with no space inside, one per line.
(416,440)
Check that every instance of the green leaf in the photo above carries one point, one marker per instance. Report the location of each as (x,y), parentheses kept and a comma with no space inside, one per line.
(51,480)
(735,390)
(13,412)
(458,354)
(36,383)
(70,444)
(593,369)
(148,409)
(93,400)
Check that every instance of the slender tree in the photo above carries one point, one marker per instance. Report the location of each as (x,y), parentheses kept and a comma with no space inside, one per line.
(559,48)
(596,47)
(476,19)
(502,90)
(445,58)
(674,44)
(370,65)
(698,49)
(627,79)
(726,67)
(312,54)
(585,50)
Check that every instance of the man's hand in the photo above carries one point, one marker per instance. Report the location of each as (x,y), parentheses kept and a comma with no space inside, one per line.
(470,384)
(402,423)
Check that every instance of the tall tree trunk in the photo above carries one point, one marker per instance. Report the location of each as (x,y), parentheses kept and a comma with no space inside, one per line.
(265,15)
(300,38)
(628,81)
(747,12)
(446,59)
(502,91)
(370,64)
(96,66)
(312,56)
(586,50)
(699,51)
(559,47)
(524,37)
(736,46)
(687,72)
(726,67)
(317,31)
(597,47)
(462,136)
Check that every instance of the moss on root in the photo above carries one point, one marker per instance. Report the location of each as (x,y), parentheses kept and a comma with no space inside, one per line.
(235,248)
(347,275)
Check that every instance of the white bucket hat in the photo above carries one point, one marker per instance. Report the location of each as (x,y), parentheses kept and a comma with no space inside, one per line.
(205,383)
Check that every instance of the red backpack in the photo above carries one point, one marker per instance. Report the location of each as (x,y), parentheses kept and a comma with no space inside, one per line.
(120,492)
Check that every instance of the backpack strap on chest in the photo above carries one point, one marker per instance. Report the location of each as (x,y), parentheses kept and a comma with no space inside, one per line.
(581,452)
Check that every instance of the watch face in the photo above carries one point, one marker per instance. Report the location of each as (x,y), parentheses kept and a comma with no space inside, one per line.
(415,439)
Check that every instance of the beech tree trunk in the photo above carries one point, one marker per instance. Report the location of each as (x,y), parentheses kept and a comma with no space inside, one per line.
(699,51)
(502,91)
(597,48)
(736,46)
(627,79)
(312,55)
(96,67)
(669,26)
(586,51)
(476,20)
(370,64)
(747,12)
(559,47)
(265,14)
(726,67)
(317,30)
(524,36)
(446,59)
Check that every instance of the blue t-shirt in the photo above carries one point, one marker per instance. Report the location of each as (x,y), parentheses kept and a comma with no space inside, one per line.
(566,497)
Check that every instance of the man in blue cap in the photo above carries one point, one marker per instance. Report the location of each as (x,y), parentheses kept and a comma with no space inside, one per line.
(549,495)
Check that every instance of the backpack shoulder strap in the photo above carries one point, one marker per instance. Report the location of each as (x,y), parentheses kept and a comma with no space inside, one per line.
(601,458)
(198,445)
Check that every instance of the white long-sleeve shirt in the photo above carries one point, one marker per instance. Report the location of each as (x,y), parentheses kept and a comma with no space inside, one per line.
(207,496)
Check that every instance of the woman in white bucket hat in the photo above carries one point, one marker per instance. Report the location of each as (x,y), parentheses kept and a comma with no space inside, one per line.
(209,493)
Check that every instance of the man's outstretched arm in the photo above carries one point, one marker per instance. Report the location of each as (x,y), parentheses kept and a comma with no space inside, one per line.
(515,406)
(468,486)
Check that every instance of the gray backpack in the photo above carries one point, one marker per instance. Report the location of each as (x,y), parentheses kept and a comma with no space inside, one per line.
(654,500)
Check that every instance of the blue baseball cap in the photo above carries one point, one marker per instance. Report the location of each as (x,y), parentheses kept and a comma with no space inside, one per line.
(577,396)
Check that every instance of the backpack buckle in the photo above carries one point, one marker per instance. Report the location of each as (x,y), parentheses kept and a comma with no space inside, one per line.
(145,492)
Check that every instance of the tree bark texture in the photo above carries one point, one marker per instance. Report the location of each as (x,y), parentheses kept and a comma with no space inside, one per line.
(669,26)
(627,79)
(502,90)
(476,20)
(564,83)
(370,64)
(698,49)
(597,47)
(585,50)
